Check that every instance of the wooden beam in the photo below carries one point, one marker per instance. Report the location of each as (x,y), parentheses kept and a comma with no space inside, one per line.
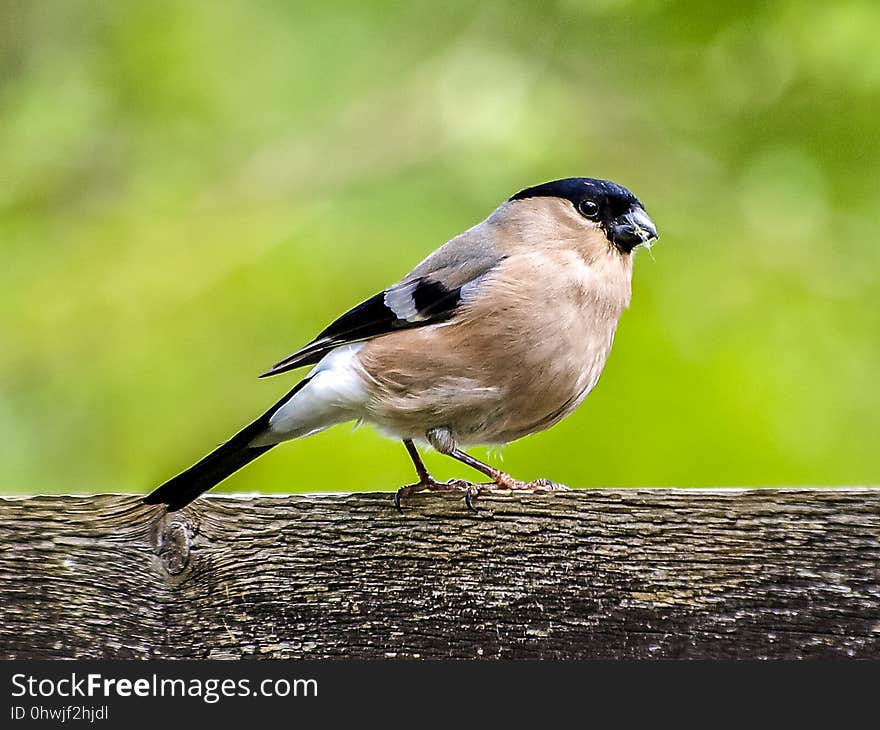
(640,573)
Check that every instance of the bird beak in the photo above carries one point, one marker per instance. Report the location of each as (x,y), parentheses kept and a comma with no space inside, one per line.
(633,228)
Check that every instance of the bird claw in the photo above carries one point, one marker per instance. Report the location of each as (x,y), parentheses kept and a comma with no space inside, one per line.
(471,494)
(546,484)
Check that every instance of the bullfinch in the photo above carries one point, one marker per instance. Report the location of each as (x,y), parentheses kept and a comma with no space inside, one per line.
(499,333)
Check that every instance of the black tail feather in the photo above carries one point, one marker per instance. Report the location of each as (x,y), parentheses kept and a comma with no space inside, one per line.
(178,492)
(226,459)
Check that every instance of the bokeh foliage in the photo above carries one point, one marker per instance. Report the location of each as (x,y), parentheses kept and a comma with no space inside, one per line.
(192,190)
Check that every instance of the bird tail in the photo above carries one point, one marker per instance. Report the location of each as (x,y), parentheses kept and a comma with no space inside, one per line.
(226,459)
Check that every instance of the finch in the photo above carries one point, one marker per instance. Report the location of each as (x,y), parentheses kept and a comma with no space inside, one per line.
(499,333)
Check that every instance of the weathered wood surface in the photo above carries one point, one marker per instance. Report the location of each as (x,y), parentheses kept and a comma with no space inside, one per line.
(604,573)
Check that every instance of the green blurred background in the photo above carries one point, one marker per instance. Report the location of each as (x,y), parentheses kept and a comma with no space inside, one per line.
(190,191)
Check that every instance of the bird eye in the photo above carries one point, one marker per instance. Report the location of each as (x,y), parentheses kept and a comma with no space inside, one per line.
(589,208)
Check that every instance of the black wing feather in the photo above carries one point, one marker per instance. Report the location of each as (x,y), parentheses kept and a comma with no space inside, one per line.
(432,301)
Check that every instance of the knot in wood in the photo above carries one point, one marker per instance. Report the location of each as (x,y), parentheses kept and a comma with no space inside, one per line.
(173,547)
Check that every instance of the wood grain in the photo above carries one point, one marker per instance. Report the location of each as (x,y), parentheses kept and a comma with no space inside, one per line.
(640,573)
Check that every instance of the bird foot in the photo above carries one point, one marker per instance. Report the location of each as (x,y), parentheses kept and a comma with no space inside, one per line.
(503,481)
(471,491)
(433,485)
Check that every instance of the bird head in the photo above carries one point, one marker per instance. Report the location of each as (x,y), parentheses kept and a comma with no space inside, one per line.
(596,206)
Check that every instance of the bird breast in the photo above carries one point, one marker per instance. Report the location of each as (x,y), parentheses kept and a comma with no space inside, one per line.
(523,352)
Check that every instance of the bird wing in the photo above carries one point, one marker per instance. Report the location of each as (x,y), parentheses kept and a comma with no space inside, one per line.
(430,294)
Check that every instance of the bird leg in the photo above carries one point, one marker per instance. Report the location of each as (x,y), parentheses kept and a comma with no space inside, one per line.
(426,481)
(443,440)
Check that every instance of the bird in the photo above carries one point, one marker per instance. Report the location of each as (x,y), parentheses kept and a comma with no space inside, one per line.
(499,333)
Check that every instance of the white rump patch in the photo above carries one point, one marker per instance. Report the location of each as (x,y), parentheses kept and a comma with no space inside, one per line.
(334,393)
